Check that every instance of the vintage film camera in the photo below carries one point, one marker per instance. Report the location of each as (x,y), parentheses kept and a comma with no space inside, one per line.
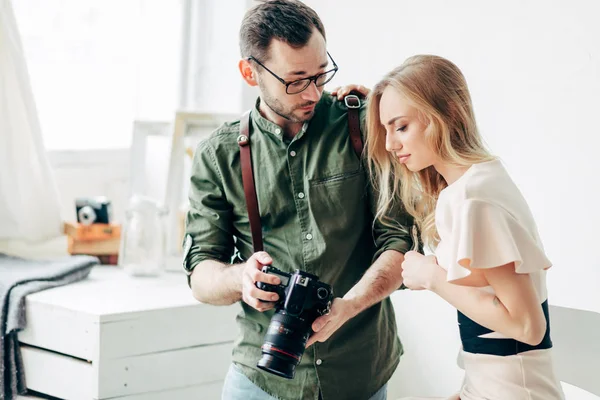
(93,210)
(302,298)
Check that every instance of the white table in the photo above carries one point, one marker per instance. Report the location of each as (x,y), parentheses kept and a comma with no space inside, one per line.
(113,335)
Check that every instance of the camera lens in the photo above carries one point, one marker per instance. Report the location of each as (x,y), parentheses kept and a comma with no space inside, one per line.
(322,293)
(86,215)
(284,344)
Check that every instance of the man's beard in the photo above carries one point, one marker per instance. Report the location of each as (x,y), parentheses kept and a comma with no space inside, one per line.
(276,106)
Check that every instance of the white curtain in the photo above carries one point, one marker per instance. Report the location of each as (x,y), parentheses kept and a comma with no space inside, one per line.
(29,201)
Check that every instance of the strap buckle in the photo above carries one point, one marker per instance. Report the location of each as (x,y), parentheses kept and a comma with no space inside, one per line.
(243,140)
(352,101)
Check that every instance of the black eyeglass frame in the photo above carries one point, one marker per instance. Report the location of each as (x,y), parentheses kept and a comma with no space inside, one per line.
(309,79)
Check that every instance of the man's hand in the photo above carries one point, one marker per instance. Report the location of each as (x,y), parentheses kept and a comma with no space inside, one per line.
(324,326)
(420,272)
(251,274)
(343,91)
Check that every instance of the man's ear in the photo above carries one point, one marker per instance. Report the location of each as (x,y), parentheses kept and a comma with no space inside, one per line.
(247,72)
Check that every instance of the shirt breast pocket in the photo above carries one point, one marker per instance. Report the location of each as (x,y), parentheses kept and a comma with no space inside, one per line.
(338,203)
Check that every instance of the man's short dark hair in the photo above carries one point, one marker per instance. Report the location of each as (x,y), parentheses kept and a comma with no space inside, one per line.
(290,21)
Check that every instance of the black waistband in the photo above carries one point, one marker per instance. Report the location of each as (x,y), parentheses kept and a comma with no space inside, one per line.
(472,343)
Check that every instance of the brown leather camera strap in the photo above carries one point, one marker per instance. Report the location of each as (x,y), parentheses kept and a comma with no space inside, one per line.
(352,103)
(248,181)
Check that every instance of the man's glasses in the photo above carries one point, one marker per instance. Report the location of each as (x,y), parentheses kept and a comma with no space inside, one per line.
(300,85)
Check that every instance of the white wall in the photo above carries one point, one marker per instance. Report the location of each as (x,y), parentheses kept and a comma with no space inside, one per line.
(534,72)
(96,65)
(214,82)
(91,173)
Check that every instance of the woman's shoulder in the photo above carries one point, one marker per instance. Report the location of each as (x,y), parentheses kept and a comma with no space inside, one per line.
(490,182)
(479,182)
(491,187)
(486,184)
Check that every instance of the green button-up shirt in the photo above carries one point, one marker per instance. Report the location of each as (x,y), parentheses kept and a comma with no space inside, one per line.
(316,209)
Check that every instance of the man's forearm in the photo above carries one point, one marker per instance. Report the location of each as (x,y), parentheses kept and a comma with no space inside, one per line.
(216,283)
(380,280)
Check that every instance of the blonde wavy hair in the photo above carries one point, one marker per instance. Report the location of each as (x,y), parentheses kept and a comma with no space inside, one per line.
(439,92)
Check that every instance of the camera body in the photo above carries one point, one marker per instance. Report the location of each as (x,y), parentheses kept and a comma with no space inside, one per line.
(299,293)
(302,298)
(93,210)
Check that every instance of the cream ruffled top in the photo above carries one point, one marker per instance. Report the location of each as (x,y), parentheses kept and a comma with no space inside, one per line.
(484,222)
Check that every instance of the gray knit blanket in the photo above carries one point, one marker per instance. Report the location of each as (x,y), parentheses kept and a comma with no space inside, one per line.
(18,278)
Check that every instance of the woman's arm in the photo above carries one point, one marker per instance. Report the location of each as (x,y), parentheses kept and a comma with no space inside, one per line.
(513,311)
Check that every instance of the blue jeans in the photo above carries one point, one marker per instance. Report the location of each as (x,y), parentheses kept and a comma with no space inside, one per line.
(238,387)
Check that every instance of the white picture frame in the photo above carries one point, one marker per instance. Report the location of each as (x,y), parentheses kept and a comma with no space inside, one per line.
(150,153)
(189,128)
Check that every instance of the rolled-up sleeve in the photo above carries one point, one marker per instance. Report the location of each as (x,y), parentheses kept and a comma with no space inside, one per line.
(396,233)
(209,219)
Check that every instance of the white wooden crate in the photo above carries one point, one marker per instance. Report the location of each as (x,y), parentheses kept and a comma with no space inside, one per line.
(112,335)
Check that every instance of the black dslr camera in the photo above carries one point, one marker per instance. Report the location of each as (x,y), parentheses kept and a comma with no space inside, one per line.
(302,298)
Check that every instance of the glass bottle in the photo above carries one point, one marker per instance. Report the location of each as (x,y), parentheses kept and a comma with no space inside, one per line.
(143,240)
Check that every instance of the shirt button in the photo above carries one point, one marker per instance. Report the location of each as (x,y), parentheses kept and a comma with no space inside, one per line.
(308,236)
(278,131)
(300,195)
(293,153)
(319,361)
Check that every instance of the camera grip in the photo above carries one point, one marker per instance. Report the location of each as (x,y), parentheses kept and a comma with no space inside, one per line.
(267,287)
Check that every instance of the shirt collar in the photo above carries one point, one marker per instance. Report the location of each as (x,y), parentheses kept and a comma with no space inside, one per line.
(266,126)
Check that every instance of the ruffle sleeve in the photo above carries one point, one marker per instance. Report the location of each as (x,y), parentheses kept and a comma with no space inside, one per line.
(484,235)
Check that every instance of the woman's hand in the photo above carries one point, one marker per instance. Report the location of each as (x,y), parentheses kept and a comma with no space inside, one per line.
(343,91)
(421,272)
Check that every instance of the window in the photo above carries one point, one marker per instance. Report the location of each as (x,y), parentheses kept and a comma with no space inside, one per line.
(96,66)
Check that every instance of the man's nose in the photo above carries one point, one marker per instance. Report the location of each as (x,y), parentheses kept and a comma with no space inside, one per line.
(311,93)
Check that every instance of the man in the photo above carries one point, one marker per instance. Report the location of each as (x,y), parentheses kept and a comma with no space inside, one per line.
(316,211)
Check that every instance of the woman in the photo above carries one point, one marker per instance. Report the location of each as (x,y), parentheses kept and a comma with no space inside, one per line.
(424,150)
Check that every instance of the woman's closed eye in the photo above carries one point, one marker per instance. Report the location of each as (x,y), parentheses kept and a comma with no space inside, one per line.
(401,128)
